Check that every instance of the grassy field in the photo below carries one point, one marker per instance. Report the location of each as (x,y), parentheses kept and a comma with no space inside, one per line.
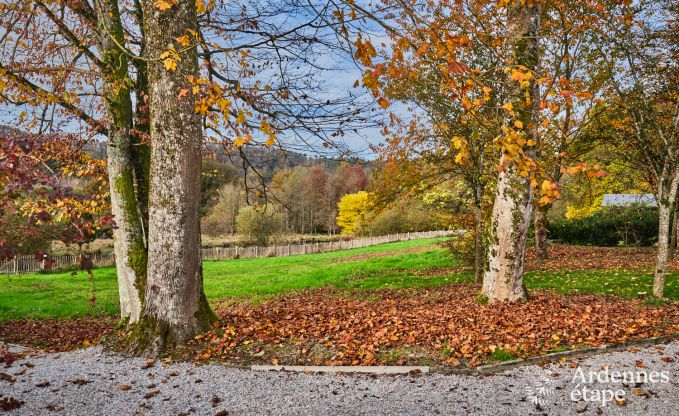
(395,265)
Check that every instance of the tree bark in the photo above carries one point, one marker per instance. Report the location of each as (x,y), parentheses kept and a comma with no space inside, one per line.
(674,231)
(503,277)
(541,232)
(175,306)
(666,200)
(478,244)
(129,244)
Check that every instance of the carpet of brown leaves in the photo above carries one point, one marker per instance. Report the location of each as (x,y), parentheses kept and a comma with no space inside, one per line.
(55,334)
(563,257)
(445,320)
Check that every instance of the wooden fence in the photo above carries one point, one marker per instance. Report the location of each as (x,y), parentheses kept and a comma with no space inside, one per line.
(30,264)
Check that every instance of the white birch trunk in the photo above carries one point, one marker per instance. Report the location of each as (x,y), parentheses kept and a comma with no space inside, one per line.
(503,277)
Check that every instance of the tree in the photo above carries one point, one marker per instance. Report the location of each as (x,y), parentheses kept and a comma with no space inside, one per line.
(37,205)
(175,306)
(214,177)
(503,279)
(84,65)
(352,210)
(258,225)
(644,107)
(573,84)
(127,158)
(222,216)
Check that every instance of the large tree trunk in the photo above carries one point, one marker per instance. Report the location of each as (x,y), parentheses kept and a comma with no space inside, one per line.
(175,306)
(129,243)
(666,200)
(541,232)
(503,278)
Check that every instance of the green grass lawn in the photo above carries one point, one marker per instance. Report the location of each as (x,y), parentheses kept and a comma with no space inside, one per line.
(61,295)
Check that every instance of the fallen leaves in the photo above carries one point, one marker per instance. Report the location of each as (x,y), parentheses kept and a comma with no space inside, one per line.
(149,364)
(10,403)
(570,258)
(55,334)
(7,377)
(444,320)
(151,394)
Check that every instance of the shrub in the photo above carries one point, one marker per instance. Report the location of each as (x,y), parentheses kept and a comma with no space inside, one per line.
(610,226)
(258,225)
(406,216)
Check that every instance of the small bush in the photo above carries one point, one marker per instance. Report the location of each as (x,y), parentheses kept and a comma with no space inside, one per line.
(259,225)
(611,226)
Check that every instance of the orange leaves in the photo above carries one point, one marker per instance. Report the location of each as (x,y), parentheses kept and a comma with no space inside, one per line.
(549,192)
(445,321)
(183,40)
(365,51)
(163,5)
(521,75)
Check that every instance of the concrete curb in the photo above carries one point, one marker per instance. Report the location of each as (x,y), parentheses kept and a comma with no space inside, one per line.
(490,369)
(483,370)
(377,370)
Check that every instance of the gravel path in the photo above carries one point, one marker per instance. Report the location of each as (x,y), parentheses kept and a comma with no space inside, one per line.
(90,382)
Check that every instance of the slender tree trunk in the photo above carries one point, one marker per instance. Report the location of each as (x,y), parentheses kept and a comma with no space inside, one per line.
(478,243)
(541,232)
(129,243)
(175,306)
(674,231)
(666,201)
(503,277)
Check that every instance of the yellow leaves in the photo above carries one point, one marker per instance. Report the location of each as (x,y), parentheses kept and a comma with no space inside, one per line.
(170,58)
(163,5)
(462,157)
(549,192)
(518,124)
(265,128)
(508,107)
(183,40)
(241,119)
(383,102)
(202,7)
(202,106)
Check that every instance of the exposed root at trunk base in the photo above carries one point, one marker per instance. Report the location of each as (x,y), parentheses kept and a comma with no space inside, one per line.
(154,337)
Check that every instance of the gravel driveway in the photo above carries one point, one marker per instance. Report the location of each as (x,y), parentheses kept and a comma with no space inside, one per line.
(90,382)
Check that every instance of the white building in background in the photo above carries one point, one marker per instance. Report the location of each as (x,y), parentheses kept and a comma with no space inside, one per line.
(616,200)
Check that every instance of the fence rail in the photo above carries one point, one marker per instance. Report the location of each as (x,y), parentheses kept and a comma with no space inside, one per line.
(29,264)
